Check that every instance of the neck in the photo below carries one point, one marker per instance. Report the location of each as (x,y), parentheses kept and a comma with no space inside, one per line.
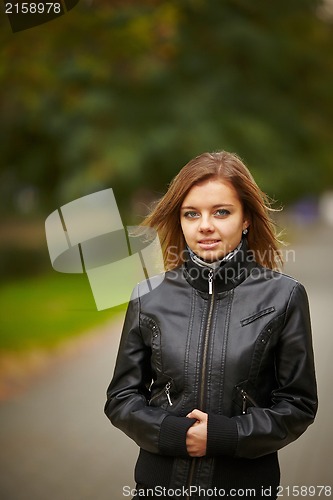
(216,263)
(228,272)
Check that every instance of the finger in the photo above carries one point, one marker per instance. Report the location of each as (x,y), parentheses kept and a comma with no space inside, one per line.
(191,415)
(199,415)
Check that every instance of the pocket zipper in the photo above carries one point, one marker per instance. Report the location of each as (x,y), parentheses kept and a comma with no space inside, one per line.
(167,392)
(165,389)
(246,398)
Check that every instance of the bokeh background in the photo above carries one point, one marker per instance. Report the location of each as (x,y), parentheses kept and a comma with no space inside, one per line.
(122,94)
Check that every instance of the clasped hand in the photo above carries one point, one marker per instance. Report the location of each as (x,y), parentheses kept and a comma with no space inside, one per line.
(196,437)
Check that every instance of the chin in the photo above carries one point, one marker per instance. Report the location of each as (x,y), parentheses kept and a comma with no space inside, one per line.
(211,256)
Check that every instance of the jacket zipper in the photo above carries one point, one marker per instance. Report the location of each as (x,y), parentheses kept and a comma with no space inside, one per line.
(210,281)
(204,361)
(166,390)
(246,398)
(206,338)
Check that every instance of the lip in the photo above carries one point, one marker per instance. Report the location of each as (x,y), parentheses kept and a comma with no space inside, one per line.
(208,244)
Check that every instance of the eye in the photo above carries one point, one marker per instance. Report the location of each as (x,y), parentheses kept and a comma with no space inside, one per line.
(222,212)
(191,214)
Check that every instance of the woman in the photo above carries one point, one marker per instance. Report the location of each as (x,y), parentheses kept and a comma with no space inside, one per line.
(215,368)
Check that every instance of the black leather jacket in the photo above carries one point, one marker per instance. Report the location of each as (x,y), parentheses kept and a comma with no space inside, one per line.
(243,354)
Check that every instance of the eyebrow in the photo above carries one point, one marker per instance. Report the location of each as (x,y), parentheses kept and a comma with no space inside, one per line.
(214,206)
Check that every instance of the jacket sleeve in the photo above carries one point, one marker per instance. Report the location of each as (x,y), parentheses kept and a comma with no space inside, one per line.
(294,401)
(127,405)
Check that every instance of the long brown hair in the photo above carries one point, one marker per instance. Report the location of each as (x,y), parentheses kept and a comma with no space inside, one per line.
(165,216)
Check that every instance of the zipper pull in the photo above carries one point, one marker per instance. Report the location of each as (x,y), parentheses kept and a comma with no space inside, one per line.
(244,402)
(210,281)
(167,392)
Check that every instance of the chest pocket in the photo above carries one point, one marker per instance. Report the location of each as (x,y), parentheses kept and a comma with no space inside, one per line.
(268,335)
(255,316)
(265,332)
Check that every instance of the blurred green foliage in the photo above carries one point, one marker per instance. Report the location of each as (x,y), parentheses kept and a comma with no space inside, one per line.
(122,94)
(46,311)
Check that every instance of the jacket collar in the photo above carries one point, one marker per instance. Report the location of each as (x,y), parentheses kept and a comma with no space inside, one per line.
(228,275)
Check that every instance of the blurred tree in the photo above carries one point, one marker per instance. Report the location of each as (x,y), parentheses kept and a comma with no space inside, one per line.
(122,94)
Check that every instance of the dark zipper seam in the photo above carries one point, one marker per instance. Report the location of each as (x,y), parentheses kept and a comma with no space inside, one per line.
(205,351)
(166,390)
(203,371)
(157,395)
(246,397)
(156,332)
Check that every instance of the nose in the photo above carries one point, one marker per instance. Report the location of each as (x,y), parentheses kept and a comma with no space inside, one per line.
(206,225)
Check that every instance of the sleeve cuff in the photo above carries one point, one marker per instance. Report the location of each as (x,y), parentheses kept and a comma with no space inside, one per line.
(222,435)
(172,439)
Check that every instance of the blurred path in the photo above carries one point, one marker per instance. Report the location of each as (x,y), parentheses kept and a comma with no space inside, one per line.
(56,443)
(308,460)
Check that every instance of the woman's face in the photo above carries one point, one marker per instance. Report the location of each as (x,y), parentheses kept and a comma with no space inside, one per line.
(212,219)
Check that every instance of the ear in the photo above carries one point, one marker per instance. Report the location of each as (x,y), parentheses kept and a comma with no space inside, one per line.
(246,224)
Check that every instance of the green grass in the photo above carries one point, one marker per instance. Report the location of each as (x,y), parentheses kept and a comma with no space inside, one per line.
(43,311)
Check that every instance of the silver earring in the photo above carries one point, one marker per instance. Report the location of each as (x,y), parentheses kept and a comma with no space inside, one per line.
(245,231)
